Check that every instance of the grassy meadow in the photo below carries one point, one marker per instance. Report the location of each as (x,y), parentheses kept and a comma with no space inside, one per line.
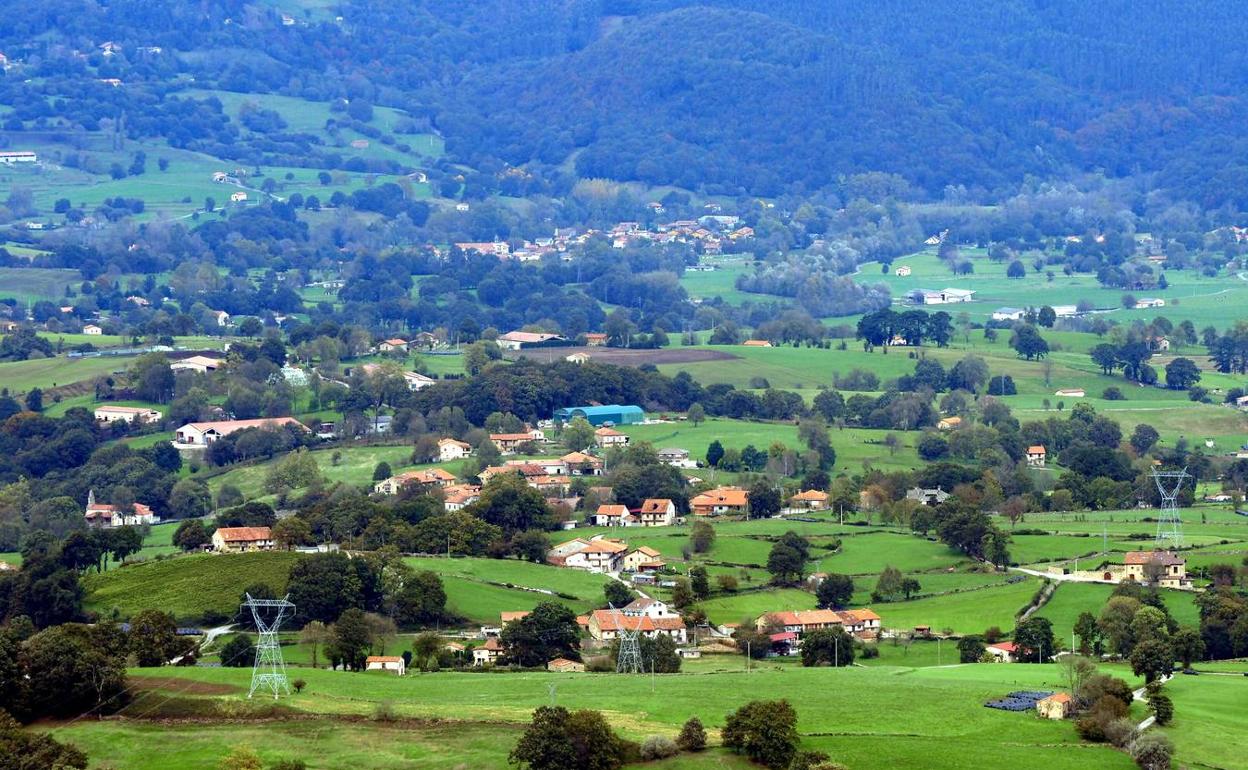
(945,724)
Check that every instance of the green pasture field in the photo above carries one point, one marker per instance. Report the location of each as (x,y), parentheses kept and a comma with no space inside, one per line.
(722,282)
(307,116)
(471,593)
(11,557)
(969,612)
(945,724)
(854,447)
(1071,599)
(806,369)
(871,553)
(21,376)
(1208,727)
(1190,295)
(31,284)
(186,586)
(355,466)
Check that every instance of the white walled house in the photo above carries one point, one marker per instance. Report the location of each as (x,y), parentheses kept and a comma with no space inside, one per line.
(201,434)
(127,414)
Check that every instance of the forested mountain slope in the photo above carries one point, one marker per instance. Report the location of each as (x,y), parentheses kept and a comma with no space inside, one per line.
(728,95)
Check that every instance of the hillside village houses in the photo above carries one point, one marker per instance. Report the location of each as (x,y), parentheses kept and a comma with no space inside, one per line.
(507,443)
(657,512)
(457,496)
(450,449)
(650,617)
(414,380)
(201,364)
(724,501)
(131,414)
(197,435)
(430,477)
(520,340)
(581,464)
(609,437)
(1036,456)
(488,653)
(941,296)
(810,500)
(612,515)
(862,623)
(595,555)
(106,516)
(643,559)
(677,458)
(391,345)
(242,539)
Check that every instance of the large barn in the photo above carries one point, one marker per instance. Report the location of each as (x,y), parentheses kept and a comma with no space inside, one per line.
(613,414)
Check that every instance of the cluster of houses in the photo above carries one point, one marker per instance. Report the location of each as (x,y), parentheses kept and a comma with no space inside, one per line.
(787,628)
(605,555)
(653,512)
(710,232)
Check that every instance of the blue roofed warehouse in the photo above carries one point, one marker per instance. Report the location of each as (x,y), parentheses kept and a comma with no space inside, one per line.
(601,415)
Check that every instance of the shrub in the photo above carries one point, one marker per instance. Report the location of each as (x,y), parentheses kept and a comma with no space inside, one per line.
(299,685)
(1113,393)
(384,712)
(1152,752)
(692,736)
(1120,732)
(658,747)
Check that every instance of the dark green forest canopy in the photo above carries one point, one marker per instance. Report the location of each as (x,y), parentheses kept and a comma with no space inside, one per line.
(729,96)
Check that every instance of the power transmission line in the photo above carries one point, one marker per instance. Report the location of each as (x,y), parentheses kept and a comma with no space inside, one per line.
(269,670)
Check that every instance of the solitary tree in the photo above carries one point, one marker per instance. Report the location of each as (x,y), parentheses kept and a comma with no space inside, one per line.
(835,591)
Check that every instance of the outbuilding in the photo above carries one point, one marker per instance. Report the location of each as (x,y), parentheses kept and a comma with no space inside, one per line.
(615,414)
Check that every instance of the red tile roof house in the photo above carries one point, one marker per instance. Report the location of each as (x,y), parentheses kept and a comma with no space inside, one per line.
(488,653)
(593,555)
(1003,652)
(201,434)
(605,625)
(657,512)
(385,663)
(103,515)
(610,515)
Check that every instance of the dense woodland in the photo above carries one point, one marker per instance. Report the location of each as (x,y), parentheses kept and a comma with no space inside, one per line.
(668,92)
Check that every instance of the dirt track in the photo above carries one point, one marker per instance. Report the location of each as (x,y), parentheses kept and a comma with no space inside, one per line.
(626,357)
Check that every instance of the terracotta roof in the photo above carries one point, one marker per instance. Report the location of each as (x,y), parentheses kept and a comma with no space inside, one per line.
(527,336)
(603,546)
(383,659)
(608,620)
(607,432)
(1004,646)
(580,458)
(446,441)
(1164,558)
(724,496)
(245,534)
(124,409)
(396,341)
(783,636)
(493,644)
(1057,697)
(811,494)
(507,617)
(225,427)
(101,509)
(609,509)
(858,616)
(807,617)
(511,437)
(1037,449)
(655,505)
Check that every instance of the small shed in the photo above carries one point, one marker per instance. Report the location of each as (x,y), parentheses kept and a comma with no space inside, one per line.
(1056,706)
(385,663)
(564,665)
